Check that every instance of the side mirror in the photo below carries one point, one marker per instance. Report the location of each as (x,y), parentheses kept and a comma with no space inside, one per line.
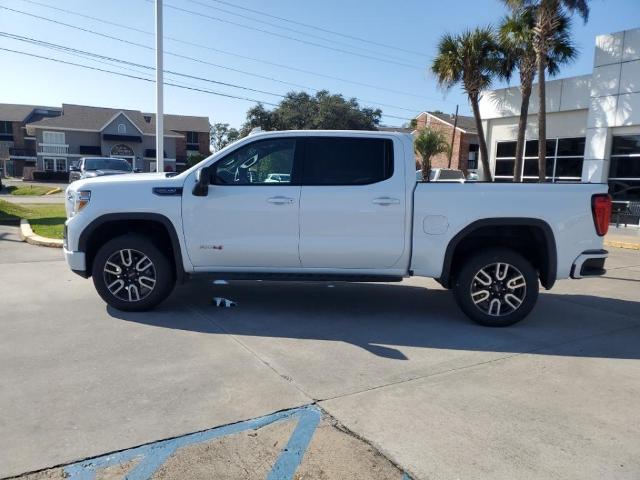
(203,179)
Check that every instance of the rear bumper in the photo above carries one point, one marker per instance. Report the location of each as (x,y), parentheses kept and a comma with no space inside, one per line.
(589,264)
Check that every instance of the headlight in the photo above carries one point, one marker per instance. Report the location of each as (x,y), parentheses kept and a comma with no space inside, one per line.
(81,200)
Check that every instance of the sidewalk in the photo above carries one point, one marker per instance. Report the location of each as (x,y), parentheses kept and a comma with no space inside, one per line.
(623,237)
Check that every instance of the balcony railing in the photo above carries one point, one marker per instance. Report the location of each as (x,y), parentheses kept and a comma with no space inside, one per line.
(22,152)
(54,148)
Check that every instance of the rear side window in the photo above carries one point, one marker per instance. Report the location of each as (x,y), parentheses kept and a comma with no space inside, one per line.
(347,161)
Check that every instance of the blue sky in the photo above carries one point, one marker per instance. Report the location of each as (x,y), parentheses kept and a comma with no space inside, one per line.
(411,25)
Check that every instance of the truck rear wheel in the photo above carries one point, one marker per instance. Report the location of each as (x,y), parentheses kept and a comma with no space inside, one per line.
(497,287)
(130,273)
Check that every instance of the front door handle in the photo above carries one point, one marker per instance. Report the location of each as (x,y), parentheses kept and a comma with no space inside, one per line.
(386,201)
(280,200)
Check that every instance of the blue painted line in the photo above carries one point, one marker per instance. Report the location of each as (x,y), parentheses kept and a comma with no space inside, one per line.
(153,460)
(405,476)
(291,456)
(153,455)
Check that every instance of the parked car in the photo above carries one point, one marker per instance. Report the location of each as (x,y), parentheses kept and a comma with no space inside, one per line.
(442,175)
(352,211)
(277,178)
(90,167)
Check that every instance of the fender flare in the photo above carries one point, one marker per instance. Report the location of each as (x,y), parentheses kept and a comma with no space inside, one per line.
(133,216)
(547,278)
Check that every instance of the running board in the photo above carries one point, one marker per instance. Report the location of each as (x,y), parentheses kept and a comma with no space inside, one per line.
(300,277)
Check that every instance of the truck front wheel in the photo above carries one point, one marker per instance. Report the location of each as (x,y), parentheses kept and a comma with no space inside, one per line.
(130,273)
(497,287)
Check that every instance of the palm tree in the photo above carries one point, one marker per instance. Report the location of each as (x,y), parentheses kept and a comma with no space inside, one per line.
(429,142)
(548,14)
(472,59)
(517,37)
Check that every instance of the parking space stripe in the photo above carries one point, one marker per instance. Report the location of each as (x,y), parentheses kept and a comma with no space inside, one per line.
(291,456)
(152,456)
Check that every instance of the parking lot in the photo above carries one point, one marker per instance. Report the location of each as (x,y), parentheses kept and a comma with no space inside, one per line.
(414,385)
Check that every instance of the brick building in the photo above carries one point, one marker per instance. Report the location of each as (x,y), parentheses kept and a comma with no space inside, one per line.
(465,143)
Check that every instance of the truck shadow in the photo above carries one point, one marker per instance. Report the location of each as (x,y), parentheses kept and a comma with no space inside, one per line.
(379,318)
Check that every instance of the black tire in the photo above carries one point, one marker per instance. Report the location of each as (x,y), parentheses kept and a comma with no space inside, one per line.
(149,293)
(501,307)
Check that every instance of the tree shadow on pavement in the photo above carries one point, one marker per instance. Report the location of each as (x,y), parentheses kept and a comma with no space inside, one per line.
(380,317)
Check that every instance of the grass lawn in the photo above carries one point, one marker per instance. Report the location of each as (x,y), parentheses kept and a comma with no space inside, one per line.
(28,190)
(46,220)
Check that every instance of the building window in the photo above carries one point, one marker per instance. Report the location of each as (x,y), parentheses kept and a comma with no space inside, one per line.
(55,164)
(192,141)
(624,169)
(564,160)
(473,157)
(6,131)
(53,138)
(122,129)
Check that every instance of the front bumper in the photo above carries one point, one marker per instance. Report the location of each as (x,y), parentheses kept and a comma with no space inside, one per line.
(589,264)
(76,261)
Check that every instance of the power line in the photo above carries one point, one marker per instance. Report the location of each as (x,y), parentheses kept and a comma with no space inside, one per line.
(147,47)
(137,77)
(64,48)
(315,27)
(233,54)
(307,34)
(288,37)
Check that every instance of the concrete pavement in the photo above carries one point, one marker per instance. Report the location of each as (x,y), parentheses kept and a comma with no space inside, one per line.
(398,364)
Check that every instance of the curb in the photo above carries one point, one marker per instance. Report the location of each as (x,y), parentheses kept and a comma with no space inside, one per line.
(27,235)
(619,244)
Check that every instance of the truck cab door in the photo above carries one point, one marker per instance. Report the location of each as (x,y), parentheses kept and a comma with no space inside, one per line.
(244,220)
(353,203)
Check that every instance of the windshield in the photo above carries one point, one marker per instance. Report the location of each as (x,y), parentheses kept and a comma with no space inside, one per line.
(107,164)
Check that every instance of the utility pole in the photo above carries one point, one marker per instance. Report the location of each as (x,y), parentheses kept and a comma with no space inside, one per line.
(159,91)
(453,135)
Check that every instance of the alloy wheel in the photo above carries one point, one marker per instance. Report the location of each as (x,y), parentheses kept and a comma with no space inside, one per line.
(498,289)
(129,275)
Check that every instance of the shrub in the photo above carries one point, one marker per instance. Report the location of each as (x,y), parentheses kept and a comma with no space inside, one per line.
(51,176)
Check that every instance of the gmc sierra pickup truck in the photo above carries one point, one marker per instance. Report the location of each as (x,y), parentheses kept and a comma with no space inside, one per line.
(332,205)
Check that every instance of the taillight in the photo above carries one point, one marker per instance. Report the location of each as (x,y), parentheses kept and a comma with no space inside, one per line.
(601,208)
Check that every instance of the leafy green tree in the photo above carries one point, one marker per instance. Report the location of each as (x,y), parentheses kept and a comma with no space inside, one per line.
(517,38)
(194,160)
(472,59)
(549,16)
(428,143)
(222,135)
(299,110)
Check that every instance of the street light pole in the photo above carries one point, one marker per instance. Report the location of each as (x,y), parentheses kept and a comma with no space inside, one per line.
(159,91)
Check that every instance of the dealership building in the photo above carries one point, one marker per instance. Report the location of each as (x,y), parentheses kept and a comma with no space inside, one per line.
(593,123)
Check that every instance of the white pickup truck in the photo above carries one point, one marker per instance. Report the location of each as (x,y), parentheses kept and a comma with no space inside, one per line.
(347,207)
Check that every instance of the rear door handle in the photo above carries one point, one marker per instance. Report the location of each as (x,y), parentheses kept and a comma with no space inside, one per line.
(386,201)
(280,200)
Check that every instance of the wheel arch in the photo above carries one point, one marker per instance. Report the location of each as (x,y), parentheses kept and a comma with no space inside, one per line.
(111,225)
(520,234)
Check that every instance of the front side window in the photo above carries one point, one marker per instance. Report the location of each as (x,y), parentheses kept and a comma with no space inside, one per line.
(347,161)
(265,162)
